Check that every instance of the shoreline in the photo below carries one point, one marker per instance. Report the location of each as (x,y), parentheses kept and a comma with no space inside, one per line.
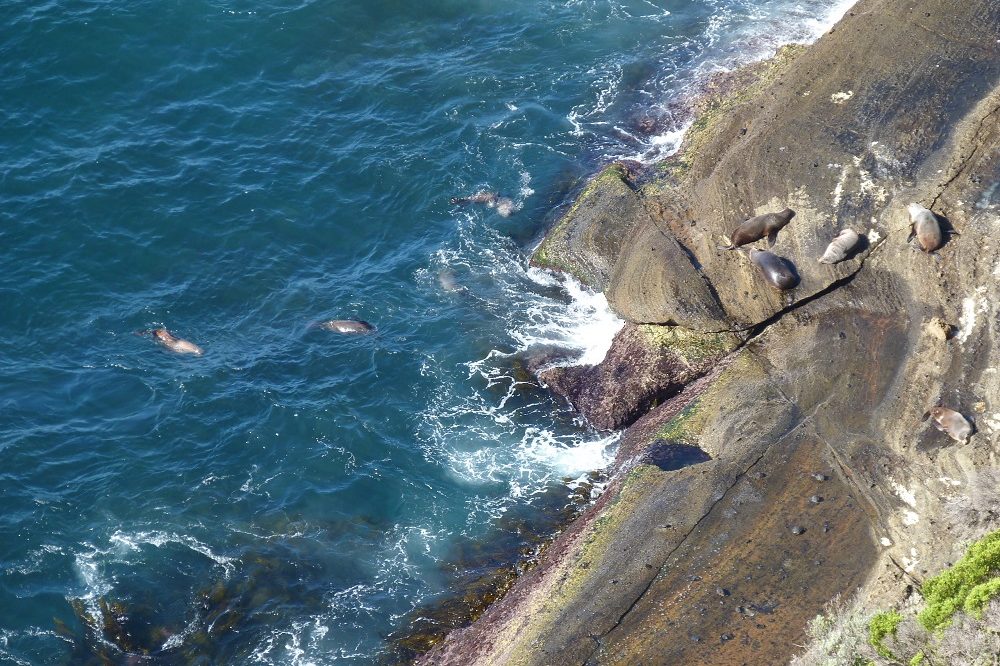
(781,441)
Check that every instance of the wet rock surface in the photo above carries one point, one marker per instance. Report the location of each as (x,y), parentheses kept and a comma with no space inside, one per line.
(818,476)
(646,365)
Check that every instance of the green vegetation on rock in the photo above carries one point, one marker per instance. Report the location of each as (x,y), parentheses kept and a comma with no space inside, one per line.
(685,427)
(552,252)
(968,585)
(880,626)
(691,346)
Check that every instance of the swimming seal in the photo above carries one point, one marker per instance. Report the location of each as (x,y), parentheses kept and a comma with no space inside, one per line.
(349,326)
(504,205)
(758,227)
(776,270)
(174,344)
(951,423)
(924,225)
(838,248)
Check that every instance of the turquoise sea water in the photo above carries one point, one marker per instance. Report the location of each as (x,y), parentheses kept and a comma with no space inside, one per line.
(236,171)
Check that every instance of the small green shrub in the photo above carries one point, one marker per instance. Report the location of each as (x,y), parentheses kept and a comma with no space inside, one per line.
(917,659)
(880,626)
(950,590)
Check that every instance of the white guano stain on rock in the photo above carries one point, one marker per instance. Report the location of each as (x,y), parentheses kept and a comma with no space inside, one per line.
(971,307)
(910,563)
(841,97)
(903,493)
(885,542)
(910,518)
(874,236)
(948,481)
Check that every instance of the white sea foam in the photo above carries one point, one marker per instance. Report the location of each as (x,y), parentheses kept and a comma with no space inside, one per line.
(736,34)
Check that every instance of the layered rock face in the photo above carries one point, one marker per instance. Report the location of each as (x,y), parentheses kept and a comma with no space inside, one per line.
(819,476)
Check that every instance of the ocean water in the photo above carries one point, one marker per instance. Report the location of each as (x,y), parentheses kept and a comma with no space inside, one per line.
(238,171)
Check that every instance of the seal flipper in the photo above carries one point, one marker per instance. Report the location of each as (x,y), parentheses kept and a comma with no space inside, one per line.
(772,238)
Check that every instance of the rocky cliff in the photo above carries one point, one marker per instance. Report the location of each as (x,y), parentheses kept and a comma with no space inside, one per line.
(813,472)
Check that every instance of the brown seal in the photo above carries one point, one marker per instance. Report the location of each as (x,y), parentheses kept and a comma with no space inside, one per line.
(776,270)
(840,246)
(758,227)
(350,326)
(925,226)
(951,423)
(175,344)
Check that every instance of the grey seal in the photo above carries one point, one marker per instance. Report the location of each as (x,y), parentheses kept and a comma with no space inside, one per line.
(925,226)
(175,344)
(840,246)
(758,227)
(348,326)
(951,423)
(504,205)
(776,270)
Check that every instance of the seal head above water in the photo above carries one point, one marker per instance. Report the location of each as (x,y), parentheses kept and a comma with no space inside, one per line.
(767,225)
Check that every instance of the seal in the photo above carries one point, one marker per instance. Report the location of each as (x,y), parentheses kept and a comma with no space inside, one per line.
(758,227)
(840,246)
(504,205)
(925,226)
(174,344)
(776,270)
(951,423)
(348,326)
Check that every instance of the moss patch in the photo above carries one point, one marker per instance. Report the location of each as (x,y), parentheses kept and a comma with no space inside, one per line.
(968,585)
(691,346)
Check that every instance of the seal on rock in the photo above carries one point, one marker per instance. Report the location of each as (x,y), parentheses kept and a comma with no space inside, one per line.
(840,246)
(776,270)
(504,205)
(758,227)
(347,326)
(925,226)
(175,344)
(951,423)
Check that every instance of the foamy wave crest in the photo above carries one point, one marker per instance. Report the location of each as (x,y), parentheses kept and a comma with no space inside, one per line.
(486,422)
(585,323)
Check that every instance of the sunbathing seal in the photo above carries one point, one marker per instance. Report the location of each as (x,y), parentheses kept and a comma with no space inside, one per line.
(349,326)
(504,205)
(925,226)
(767,225)
(174,344)
(776,270)
(840,246)
(951,423)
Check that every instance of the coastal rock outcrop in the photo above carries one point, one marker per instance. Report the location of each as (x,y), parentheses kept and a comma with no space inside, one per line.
(819,476)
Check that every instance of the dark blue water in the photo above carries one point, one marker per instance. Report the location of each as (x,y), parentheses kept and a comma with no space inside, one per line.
(236,172)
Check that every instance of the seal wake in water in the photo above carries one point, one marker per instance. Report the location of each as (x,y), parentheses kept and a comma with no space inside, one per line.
(504,205)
